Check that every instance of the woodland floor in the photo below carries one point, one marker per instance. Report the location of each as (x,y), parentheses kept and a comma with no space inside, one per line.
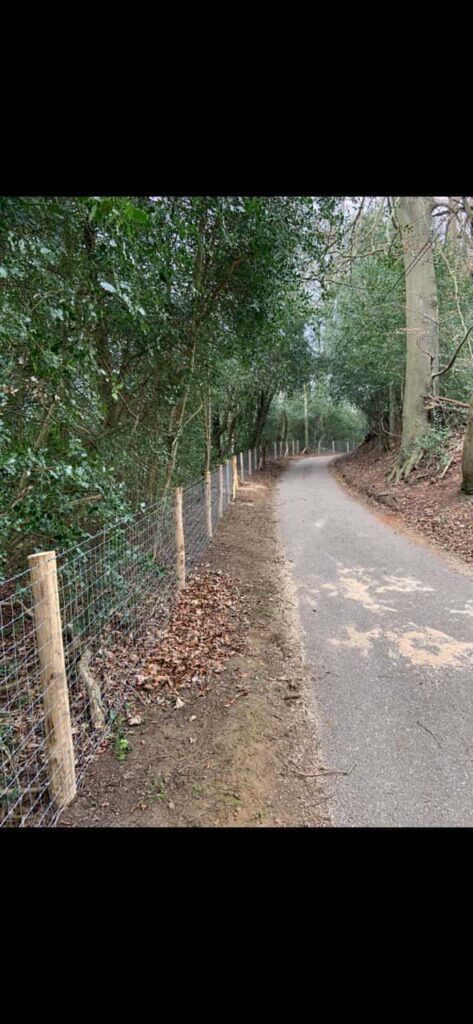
(222,731)
(427,503)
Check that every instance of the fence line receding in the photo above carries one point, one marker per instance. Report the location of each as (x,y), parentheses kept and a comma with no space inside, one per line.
(61,626)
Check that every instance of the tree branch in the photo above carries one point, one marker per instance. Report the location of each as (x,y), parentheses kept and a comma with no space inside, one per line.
(450,364)
(439,400)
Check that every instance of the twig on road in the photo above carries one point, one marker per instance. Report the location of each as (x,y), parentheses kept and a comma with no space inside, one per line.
(431,733)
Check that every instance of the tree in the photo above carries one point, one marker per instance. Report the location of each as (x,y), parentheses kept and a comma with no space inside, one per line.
(139,336)
(414,216)
(362,350)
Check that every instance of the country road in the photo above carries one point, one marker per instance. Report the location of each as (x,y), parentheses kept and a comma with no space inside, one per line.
(388,632)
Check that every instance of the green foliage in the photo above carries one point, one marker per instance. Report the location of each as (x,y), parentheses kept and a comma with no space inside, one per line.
(122,318)
(329,419)
(435,444)
(362,340)
(455,297)
(363,334)
(128,324)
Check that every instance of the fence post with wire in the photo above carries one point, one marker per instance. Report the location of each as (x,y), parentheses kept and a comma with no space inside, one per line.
(67,620)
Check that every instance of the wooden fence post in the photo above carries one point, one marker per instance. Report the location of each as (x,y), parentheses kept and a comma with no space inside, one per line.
(249,461)
(348,446)
(255,453)
(179,539)
(234,477)
(57,716)
(293,448)
(275,450)
(208,501)
(220,491)
(227,477)
(242,475)
(280,449)
(333,446)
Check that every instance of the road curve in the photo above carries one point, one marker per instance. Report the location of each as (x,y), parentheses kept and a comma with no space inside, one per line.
(388,631)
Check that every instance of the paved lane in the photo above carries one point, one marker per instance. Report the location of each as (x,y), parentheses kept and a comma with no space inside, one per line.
(388,629)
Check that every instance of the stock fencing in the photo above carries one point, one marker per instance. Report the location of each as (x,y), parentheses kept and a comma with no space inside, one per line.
(61,619)
(324,447)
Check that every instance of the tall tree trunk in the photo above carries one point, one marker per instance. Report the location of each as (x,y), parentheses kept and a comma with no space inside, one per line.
(265,400)
(306,420)
(467,456)
(207,412)
(468,208)
(393,414)
(177,418)
(284,426)
(219,426)
(177,423)
(231,424)
(414,214)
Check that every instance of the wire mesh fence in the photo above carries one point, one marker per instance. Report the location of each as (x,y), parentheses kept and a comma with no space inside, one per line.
(194,521)
(63,620)
(331,447)
(217,505)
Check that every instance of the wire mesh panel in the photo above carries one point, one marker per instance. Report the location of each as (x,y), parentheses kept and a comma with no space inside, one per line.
(195,523)
(120,576)
(214,496)
(108,592)
(324,447)
(22,764)
(226,491)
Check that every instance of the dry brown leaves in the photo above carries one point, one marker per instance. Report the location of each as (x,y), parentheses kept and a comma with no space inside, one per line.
(203,630)
(436,506)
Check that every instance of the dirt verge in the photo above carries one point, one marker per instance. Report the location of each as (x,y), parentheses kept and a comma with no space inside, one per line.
(234,742)
(430,504)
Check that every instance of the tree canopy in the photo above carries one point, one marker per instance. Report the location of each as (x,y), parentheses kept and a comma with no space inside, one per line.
(130,324)
(144,339)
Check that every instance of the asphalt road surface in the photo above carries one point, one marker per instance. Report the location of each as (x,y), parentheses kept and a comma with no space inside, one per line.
(388,631)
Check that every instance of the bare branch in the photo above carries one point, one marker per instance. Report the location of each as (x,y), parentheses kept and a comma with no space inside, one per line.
(457,350)
(357,217)
(457,297)
(440,399)
(184,425)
